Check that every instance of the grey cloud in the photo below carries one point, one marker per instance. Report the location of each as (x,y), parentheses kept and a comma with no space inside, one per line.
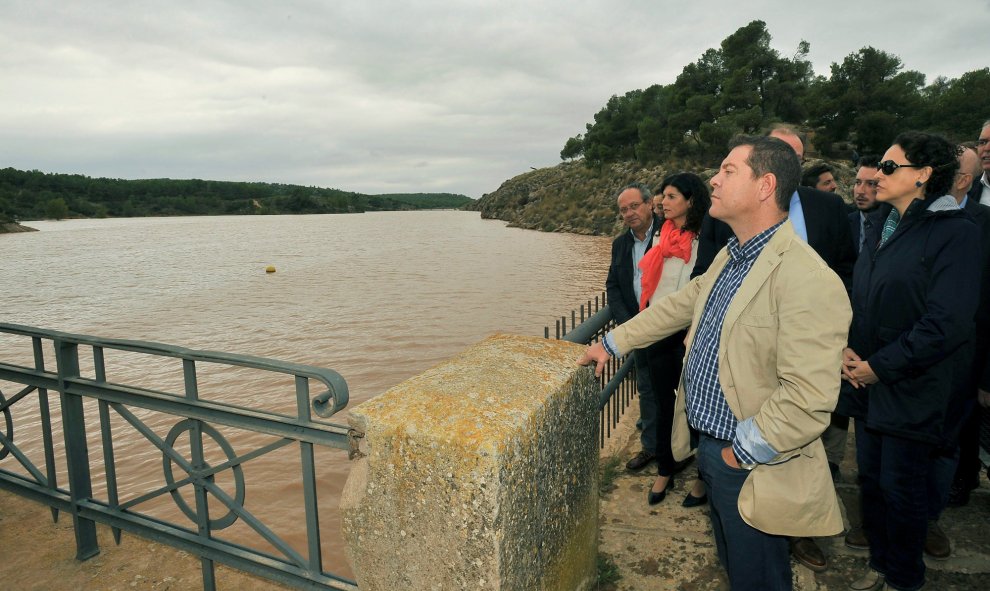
(378,96)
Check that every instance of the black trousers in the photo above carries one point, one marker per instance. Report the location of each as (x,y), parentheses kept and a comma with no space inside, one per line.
(665,360)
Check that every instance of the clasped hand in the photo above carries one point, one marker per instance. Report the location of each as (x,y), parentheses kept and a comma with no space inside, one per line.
(857,371)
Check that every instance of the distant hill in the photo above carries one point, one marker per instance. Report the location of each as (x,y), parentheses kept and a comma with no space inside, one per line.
(571,197)
(30,195)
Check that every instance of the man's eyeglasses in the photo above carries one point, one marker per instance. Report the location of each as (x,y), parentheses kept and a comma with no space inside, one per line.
(633,207)
(889,166)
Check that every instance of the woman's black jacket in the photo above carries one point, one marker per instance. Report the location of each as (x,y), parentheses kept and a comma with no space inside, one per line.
(913,300)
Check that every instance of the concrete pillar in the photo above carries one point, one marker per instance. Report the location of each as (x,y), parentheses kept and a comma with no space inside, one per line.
(481,473)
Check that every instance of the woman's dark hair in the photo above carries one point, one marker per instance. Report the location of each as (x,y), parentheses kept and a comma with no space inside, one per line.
(695,191)
(927,149)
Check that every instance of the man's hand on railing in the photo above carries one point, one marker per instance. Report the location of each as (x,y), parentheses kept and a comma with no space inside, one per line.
(596,354)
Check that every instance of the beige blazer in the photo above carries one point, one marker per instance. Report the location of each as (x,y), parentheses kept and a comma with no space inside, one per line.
(779,360)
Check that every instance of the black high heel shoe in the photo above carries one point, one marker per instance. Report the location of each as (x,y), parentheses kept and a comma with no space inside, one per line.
(693,501)
(655,498)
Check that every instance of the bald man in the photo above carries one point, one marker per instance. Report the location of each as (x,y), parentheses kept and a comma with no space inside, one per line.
(967,473)
(980,191)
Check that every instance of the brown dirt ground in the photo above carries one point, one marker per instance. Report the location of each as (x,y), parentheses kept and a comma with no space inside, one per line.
(39,555)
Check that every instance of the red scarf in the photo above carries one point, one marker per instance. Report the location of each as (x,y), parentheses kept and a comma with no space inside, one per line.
(674,242)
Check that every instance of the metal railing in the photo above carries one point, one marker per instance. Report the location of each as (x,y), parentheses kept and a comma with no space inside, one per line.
(193,419)
(618,380)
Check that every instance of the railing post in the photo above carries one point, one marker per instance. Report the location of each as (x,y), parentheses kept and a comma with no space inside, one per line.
(191,385)
(76,449)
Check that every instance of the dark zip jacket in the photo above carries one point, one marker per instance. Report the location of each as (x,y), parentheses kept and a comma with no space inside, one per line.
(914,300)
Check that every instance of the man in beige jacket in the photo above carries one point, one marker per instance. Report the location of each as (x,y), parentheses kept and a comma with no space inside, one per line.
(768,322)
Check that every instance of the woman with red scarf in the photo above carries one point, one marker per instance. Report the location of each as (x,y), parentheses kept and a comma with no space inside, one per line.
(666,268)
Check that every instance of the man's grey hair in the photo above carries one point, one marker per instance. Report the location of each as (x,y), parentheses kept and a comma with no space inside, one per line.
(644,191)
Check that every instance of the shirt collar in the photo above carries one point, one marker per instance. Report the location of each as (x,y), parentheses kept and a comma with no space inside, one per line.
(649,232)
(754,246)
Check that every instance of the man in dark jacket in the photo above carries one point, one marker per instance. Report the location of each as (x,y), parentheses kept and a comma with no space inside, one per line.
(622,288)
(980,191)
(967,473)
(864,199)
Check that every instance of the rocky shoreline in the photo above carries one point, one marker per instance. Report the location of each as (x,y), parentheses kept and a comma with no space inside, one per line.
(13,227)
(573,198)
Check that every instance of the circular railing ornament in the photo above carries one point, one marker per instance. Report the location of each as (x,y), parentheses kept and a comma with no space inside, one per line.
(9,433)
(187,425)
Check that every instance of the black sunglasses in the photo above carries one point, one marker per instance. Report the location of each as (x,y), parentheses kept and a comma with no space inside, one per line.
(889,166)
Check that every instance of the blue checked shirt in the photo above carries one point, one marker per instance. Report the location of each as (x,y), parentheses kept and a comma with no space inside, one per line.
(707,410)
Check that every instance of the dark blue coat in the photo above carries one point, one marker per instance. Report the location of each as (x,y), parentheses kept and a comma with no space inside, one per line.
(914,300)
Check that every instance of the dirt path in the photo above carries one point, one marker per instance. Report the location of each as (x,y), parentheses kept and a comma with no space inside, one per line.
(39,555)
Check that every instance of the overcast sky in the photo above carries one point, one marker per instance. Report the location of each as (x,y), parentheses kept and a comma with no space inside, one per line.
(387,96)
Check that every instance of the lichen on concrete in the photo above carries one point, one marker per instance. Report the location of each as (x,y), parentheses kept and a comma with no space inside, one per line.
(480,473)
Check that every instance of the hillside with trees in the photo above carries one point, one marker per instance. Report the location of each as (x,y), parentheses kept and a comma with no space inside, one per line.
(742,86)
(30,195)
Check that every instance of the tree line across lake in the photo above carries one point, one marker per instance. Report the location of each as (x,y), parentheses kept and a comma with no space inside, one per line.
(28,195)
(744,85)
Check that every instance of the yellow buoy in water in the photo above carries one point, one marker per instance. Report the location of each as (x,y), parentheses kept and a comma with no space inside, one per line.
(270,269)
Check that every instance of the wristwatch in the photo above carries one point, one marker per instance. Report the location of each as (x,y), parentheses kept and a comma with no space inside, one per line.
(743,465)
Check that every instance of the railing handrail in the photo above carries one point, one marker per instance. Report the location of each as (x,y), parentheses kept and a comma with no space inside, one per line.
(618,376)
(335,383)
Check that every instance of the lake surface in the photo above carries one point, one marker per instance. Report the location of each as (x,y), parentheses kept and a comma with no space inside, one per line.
(377,297)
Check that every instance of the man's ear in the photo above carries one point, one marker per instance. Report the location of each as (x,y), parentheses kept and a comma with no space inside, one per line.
(768,186)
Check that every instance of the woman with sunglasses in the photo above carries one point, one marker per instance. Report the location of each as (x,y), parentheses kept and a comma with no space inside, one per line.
(666,268)
(914,297)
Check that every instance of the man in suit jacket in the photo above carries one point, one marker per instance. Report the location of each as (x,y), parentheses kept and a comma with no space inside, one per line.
(622,288)
(826,223)
(865,200)
(757,390)
(819,217)
(980,191)
(967,473)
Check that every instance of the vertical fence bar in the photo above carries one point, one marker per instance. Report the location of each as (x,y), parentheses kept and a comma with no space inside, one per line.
(106,432)
(309,480)
(620,399)
(199,463)
(46,423)
(76,449)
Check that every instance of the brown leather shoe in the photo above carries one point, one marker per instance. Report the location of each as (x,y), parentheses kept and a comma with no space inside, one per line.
(856,539)
(936,542)
(639,461)
(871,581)
(807,552)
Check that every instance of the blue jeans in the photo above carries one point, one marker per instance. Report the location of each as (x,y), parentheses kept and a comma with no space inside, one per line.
(754,560)
(894,475)
(647,402)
